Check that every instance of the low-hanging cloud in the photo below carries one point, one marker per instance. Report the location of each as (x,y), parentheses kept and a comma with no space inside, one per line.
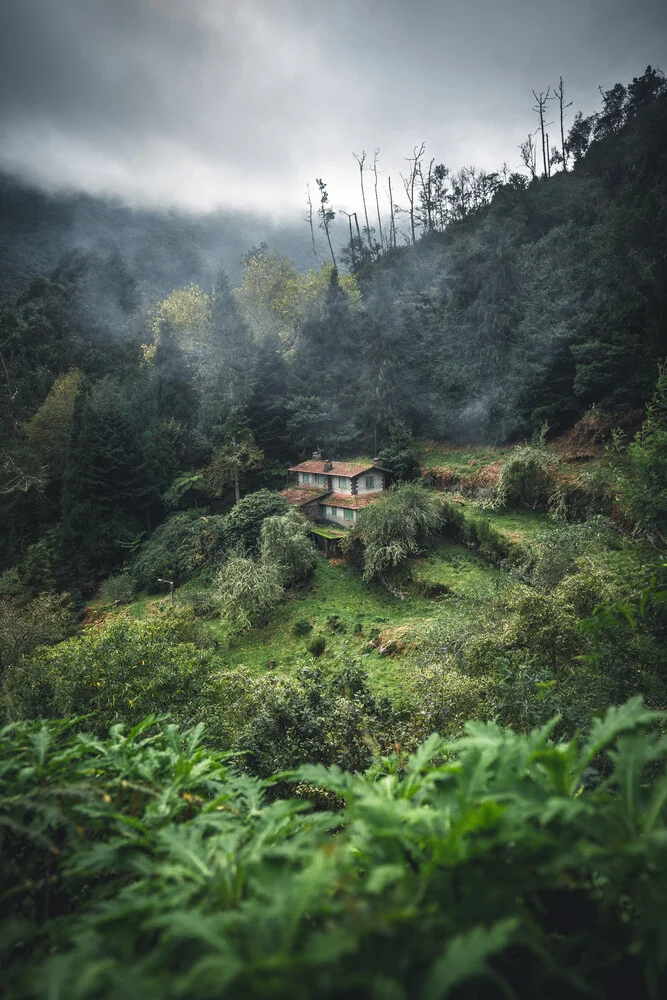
(211,104)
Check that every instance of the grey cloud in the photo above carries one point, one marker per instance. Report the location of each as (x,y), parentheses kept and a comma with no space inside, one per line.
(236,103)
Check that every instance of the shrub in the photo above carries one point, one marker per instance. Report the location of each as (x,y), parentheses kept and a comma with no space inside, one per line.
(12,587)
(316,646)
(42,621)
(643,480)
(248,591)
(181,546)
(284,543)
(203,603)
(526,477)
(117,589)
(558,550)
(115,674)
(494,865)
(244,521)
(302,626)
(592,494)
(394,528)
(282,721)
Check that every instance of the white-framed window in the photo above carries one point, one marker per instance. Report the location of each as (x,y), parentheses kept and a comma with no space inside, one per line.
(342,482)
(348,514)
(370,482)
(333,511)
(319,480)
(305,477)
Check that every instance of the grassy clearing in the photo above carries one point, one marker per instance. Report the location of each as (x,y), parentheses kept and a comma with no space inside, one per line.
(519,525)
(433,455)
(337,595)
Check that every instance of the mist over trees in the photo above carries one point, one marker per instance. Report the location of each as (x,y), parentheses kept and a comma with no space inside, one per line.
(513,301)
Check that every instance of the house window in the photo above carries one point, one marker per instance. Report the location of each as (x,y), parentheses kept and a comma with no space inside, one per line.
(348,514)
(305,477)
(370,482)
(333,511)
(319,480)
(342,483)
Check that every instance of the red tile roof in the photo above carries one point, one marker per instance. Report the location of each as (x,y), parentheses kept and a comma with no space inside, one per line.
(337,468)
(298,496)
(345,500)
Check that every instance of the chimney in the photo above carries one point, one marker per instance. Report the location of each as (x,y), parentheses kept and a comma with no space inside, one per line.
(328,465)
(317,454)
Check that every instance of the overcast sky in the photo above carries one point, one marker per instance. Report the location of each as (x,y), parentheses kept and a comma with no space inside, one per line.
(205,104)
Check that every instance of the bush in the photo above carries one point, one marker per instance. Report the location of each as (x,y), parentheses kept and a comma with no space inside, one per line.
(42,621)
(12,587)
(116,674)
(182,545)
(526,477)
(248,591)
(202,603)
(117,589)
(302,626)
(643,480)
(284,543)
(282,721)
(244,521)
(316,646)
(494,865)
(394,528)
(558,550)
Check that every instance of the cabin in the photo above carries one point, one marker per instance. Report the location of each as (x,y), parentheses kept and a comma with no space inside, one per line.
(331,493)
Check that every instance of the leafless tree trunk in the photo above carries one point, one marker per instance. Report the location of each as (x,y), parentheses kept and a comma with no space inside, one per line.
(353,253)
(559,91)
(409,184)
(541,101)
(309,219)
(529,156)
(377,200)
(392,218)
(361,160)
(326,215)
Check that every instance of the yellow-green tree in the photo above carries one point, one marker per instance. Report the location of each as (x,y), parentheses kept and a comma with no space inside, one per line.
(48,431)
(275,296)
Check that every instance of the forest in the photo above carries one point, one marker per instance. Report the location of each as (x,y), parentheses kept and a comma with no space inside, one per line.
(432,766)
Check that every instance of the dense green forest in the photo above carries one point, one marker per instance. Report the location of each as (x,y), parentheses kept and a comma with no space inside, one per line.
(432,766)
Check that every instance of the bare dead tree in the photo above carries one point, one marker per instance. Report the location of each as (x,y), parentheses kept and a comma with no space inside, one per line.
(309,219)
(426,196)
(353,251)
(529,155)
(361,160)
(377,200)
(410,181)
(392,218)
(327,215)
(541,101)
(559,92)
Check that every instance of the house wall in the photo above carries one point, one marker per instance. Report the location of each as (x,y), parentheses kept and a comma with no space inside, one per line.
(311,481)
(378,483)
(346,486)
(339,518)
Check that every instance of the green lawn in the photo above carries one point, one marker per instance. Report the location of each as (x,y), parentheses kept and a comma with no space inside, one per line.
(518,524)
(364,613)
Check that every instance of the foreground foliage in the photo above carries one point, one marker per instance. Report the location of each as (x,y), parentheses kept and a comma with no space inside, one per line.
(497,865)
